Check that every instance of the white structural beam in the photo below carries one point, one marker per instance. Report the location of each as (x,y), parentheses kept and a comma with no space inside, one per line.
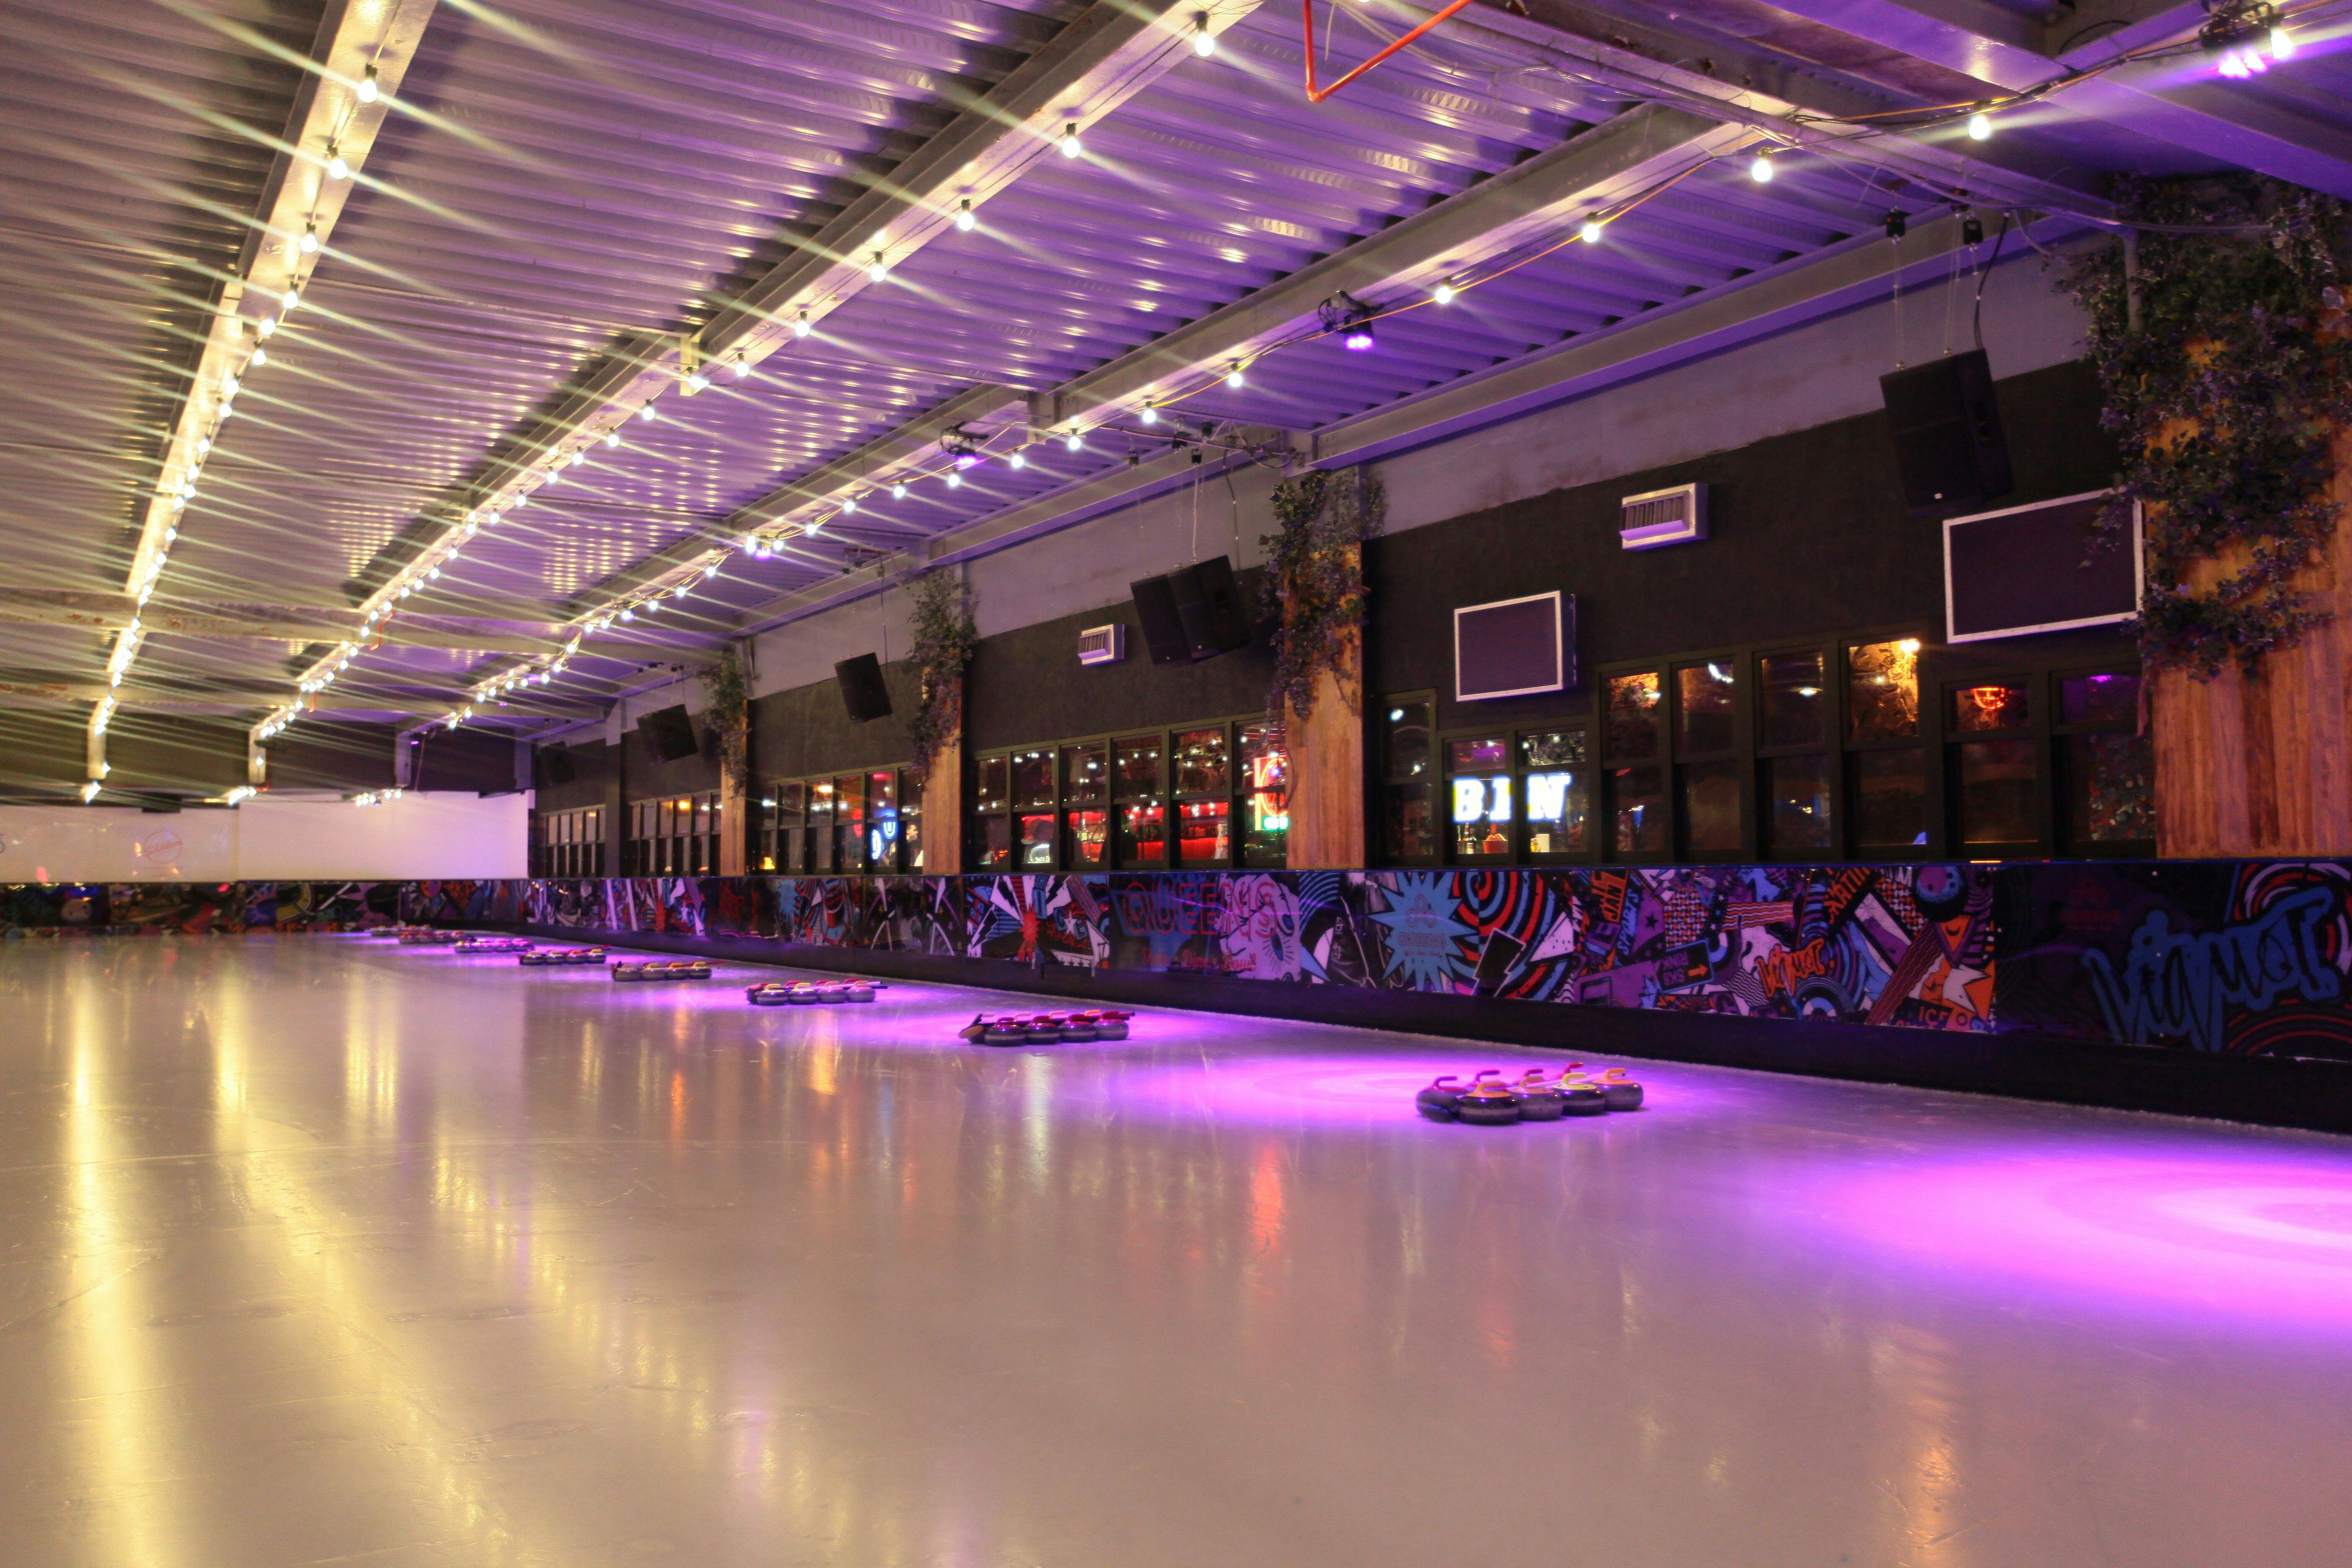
(2181,102)
(1102,58)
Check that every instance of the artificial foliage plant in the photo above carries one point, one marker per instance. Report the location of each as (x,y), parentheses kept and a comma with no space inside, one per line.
(1314,586)
(730,715)
(2221,342)
(944,636)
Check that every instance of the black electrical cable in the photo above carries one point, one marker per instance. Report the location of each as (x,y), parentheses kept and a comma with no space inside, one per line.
(1976,317)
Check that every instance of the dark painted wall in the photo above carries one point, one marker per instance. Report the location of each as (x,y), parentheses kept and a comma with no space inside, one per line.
(808,728)
(592,775)
(1028,685)
(1809,536)
(648,777)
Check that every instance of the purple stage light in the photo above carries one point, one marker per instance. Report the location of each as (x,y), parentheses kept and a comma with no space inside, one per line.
(1358,339)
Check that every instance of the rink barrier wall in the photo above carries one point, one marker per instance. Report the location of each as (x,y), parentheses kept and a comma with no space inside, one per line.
(2209,987)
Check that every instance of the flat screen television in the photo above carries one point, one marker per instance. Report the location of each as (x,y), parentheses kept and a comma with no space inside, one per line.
(1513,648)
(2046,567)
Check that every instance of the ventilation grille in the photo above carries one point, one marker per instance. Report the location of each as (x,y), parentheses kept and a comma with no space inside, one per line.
(1103,645)
(1662,517)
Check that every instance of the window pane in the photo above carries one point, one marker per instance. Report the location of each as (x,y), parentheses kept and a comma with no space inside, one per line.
(1711,808)
(991,789)
(1086,772)
(1557,805)
(1998,789)
(882,821)
(1482,817)
(1703,692)
(1265,774)
(1800,820)
(1409,830)
(1882,691)
(1890,799)
(1201,761)
(1089,838)
(2099,699)
(821,802)
(2109,795)
(1796,700)
(1999,706)
(1638,806)
(1553,749)
(792,799)
(1489,755)
(992,844)
(911,835)
(1036,840)
(1207,827)
(1138,765)
(1143,834)
(1631,716)
(1407,748)
(1033,777)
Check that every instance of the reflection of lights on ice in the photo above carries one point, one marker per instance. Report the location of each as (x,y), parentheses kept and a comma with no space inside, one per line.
(1476,800)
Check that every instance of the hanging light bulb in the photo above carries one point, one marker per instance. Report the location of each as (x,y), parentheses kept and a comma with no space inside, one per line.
(1070,143)
(1018,461)
(1234,374)
(627,615)
(898,492)
(1072,441)
(801,328)
(290,301)
(848,504)
(260,356)
(269,324)
(2281,43)
(612,437)
(743,368)
(711,569)
(1590,232)
(645,411)
(337,169)
(1148,415)
(1980,126)
(880,269)
(308,243)
(696,381)
(368,90)
(966,219)
(1760,170)
(1442,293)
(1204,42)
(203,446)
(955,480)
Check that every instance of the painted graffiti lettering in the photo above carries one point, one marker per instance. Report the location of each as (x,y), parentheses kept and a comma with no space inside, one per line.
(2182,985)
(1781,969)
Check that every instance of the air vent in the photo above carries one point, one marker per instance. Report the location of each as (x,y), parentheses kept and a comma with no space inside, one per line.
(1103,645)
(1664,517)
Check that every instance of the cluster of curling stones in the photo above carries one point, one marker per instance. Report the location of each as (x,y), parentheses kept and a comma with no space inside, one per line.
(656,969)
(494,944)
(538,956)
(423,936)
(805,993)
(1487,1101)
(1046,1029)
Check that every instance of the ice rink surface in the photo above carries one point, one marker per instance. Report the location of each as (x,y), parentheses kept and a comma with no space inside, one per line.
(320,1250)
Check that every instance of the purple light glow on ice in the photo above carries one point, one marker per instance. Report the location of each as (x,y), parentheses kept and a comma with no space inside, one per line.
(2203,1232)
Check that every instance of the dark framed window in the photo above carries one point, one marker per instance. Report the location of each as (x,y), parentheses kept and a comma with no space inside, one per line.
(1710,729)
(841,823)
(568,844)
(1150,800)
(1889,805)
(1409,779)
(1994,770)
(2106,769)
(1635,762)
(675,836)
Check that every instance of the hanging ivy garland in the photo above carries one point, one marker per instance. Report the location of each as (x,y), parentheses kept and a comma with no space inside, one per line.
(944,637)
(1314,587)
(730,715)
(2226,401)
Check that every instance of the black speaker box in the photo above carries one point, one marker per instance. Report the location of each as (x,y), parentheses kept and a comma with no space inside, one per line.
(670,733)
(863,691)
(557,767)
(1163,628)
(1192,615)
(1947,442)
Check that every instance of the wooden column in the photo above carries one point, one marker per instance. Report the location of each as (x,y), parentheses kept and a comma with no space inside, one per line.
(2260,766)
(734,810)
(943,806)
(1326,767)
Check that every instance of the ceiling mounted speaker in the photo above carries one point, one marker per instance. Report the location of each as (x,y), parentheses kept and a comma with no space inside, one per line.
(1948,445)
(669,733)
(863,691)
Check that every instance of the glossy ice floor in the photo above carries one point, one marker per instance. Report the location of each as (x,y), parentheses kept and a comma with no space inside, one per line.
(323,1251)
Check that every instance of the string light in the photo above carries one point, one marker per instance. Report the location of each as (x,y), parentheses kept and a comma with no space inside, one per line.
(1018,461)
(1980,127)
(2281,43)
(1442,293)
(309,240)
(742,369)
(1591,233)
(612,437)
(880,269)
(955,480)
(368,88)
(801,328)
(849,504)
(260,356)
(1234,374)
(696,381)
(1150,415)
(336,168)
(898,492)
(1072,441)
(1204,42)
(1760,170)
(290,301)
(966,219)
(1070,148)
(645,411)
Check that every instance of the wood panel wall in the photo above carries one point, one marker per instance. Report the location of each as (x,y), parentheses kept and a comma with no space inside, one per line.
(944,808)
(1326,768)
(2263,764)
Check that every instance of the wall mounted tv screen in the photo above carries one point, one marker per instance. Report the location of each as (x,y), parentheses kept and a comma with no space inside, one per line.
(1515,647)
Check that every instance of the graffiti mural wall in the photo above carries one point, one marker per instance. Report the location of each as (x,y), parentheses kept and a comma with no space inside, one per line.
(2250,957)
